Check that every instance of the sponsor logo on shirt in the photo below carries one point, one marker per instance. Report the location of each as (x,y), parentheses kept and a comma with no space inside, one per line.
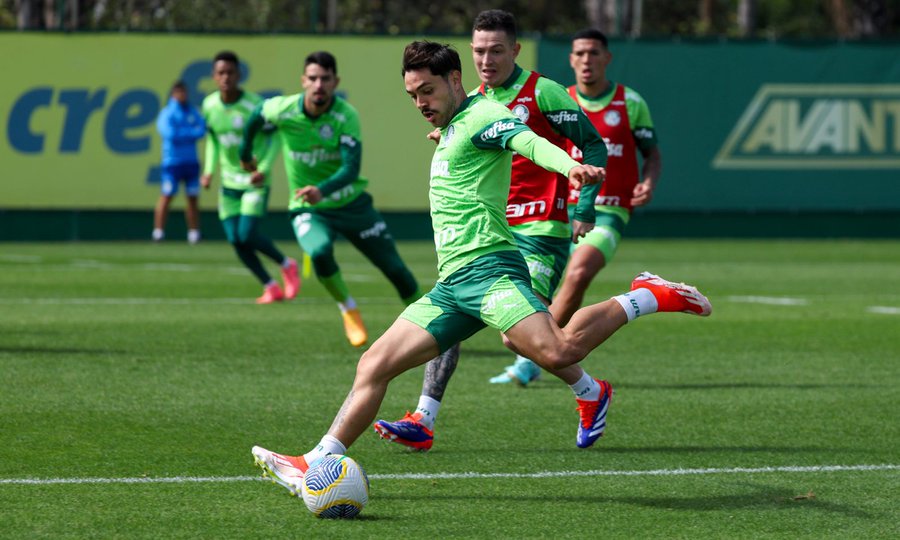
(496,129)
(524,99)
(525,209)
(643,133)
(440,168)
(229,139)
(816,126)
(444,236)
(314,157)
(237,121)
(563,116)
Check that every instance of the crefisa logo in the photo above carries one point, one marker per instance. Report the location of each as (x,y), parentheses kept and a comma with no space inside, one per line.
(816,126)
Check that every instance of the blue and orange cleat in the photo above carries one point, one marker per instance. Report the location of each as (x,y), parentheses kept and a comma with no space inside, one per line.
(592,413)
(408,431)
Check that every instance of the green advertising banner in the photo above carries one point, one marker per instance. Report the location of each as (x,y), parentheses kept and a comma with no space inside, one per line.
(764,126)
(79,111)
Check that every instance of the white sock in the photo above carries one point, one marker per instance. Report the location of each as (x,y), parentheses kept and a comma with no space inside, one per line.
(328,445)
(158,234)
(286,262)
(347,304)
(586,388)
(193,236)
(637,302)
(429,408)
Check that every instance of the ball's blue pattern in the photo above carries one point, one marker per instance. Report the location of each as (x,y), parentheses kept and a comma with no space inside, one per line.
(324,473)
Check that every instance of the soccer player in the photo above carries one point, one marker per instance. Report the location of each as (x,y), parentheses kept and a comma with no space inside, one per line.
(482,277)
(623,119)
(180,125)
(320,133)
(536,208)
(243,197)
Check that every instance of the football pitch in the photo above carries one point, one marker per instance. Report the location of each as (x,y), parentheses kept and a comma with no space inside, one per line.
(136,378)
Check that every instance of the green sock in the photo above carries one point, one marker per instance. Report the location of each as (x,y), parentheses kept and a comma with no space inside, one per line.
(336,287)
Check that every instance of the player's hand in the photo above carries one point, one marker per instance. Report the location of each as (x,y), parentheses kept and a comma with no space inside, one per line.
(257,178)
(310,194)
(248,166)
(582,175)
(206,181)
(579,229)
(435,136)
(642,194)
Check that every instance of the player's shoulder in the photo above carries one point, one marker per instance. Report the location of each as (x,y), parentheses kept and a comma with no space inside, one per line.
(632,95)
(481,106)
(343,110)
(553,93)
(210,102)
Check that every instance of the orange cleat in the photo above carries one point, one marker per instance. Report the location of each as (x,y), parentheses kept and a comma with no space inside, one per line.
(673,296)
(354,328)
(286,471)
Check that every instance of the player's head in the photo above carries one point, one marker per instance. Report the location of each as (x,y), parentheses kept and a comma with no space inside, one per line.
(589,57)
(319,79)
(432,74)
(226,71)
(179,92)
(494,46)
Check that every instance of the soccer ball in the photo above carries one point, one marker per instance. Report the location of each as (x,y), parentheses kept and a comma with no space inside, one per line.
(335,487)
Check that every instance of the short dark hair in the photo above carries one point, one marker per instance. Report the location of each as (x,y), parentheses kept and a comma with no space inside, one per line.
(439,59)
(591,33)
(496,19)
(322,58)
(227,56)
(179,85)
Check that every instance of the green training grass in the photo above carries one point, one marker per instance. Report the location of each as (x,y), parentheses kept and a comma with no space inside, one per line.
(152,361)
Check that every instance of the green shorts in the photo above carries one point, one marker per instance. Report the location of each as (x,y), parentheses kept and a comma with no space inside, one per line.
(252,202)
(607,231)
(493,290)
(546,257)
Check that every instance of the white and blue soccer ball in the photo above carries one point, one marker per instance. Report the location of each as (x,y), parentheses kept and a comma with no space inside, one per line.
(335,487)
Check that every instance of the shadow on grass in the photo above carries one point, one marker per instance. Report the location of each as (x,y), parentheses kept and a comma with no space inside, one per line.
(757,498)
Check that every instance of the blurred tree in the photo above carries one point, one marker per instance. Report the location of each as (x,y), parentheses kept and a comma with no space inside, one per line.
(684,18)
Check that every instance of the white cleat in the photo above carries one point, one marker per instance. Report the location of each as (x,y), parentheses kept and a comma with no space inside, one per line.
(286,471)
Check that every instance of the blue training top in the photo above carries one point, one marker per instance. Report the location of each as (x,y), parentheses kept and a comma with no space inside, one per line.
(180,126)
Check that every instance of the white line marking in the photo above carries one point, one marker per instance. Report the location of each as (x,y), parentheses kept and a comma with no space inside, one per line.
(175,301)
(466,475)
(886,310)
(771,300)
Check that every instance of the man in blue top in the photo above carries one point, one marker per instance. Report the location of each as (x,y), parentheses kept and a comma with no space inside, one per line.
(180,125)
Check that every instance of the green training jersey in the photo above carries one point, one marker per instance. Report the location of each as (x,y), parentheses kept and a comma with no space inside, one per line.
(324,151)
(566,118)
(225,123)
(638,114)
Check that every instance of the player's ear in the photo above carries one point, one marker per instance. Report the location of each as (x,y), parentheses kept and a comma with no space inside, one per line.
(516,48)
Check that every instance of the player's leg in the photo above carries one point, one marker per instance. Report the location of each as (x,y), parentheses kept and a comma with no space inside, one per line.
(315,232)
(365,228)
(416,429)
(424,329)
(591,254)
(168,187)
(230,207)
(546,259)
(192,209)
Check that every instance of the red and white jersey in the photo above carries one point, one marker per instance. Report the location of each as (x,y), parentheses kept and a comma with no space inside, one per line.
(622,165)
(535,194)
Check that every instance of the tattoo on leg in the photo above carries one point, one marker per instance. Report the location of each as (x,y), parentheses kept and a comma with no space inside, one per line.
(438,371)
(339,419)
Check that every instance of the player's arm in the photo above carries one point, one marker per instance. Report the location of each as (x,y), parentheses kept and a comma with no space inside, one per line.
(194,131)
(350,147)
(164,124)
(210,157)
(255,124)
(569,120)
(645,140)
(549,156)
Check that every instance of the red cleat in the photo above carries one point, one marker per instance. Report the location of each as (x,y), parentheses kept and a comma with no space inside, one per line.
(272,293)
(672,296)
(291,278)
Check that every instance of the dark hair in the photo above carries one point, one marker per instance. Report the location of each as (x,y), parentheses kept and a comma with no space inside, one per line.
(591,33)
(439,59)
(322,58)
(496,19)
(179,85)
(227,56)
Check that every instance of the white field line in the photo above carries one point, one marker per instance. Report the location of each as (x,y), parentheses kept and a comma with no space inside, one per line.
(172,301)
(771,300)
(467,475)
(886,310)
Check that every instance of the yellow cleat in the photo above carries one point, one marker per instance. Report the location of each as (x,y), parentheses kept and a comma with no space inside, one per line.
(354,328)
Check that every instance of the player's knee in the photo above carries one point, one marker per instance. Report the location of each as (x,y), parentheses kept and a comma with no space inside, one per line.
(556,357)
(373,367)
(579,275)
